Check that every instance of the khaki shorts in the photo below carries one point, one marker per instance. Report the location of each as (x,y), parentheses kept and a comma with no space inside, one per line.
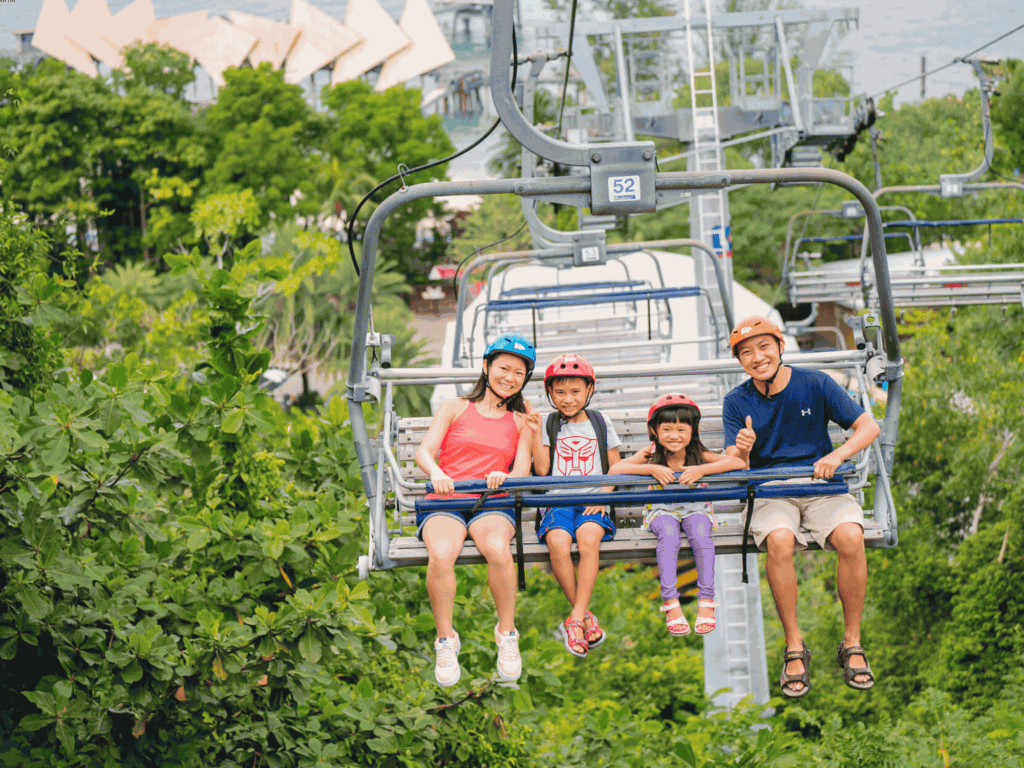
(819,515)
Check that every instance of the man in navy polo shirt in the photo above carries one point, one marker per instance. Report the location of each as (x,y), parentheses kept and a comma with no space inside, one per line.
(789,410)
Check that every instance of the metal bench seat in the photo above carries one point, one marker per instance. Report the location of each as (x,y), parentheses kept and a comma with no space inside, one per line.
(403,482)
(953,285)
(630,542)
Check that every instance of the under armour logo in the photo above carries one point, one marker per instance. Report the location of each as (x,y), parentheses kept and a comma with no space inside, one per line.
(805,413)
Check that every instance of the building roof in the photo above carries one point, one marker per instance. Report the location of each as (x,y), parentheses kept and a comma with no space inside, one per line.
(53,36)
(382,39)
(429,49)
(275,38)
(128,27)
(90,20)
(323,40)
(218,44)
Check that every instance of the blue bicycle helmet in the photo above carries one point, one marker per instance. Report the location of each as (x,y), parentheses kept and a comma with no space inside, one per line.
(514,344)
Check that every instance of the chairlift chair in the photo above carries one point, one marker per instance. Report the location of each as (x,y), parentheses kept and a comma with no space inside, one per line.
(392,486)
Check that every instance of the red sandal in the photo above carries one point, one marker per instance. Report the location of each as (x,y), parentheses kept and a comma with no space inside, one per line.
(593,633)
(572,644)
(705,624)
(679,627)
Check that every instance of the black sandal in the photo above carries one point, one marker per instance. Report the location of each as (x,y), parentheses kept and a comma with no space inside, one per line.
(849,673)
(804,677)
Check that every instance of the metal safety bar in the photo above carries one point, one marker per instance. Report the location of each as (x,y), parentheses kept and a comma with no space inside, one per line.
(654,294)
(568,287)
(790,250)
(551,482)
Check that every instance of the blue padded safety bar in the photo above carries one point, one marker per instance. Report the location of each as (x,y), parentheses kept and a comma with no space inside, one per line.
(738,476)
(572,287)
(593,298)
(850,238)
(736,493)
(949,223)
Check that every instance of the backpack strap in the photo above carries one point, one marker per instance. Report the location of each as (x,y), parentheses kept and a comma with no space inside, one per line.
(552,424)
(597,422)
(601,430)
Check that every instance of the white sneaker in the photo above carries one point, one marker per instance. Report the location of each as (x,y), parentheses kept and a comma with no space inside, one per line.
(446,668)
(510,663)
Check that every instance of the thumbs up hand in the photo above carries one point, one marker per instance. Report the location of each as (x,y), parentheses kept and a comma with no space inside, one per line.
(745,437)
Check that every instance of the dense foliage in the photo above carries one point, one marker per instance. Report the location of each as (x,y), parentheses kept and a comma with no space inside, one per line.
(177,581)
(178,568)
(129,168)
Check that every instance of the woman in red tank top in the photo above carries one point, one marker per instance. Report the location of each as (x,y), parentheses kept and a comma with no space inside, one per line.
(480,436)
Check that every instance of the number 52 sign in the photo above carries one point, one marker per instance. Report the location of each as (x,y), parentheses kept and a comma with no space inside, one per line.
(622,188)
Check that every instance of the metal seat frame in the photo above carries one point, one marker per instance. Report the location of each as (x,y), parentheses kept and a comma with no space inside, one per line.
(877,356)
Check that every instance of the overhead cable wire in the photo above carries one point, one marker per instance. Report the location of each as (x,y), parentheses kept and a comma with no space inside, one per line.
(568,64)
(403,171)
(475,252)
(949,64)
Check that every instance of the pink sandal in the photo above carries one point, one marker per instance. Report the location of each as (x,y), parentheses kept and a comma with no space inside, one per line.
(593,633)
(679,627)
(572,644)
(705,624)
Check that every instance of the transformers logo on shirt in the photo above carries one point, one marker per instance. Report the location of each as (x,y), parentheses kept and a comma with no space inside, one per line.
(575,456)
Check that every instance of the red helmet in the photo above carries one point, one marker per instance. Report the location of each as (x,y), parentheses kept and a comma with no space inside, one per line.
(749,327)
(570,365)
(668,401)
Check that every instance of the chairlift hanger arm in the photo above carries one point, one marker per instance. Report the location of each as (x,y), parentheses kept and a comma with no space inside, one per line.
(556,186)
(359,387)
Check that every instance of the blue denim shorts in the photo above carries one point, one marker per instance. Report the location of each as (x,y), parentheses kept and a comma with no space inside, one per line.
(570,519)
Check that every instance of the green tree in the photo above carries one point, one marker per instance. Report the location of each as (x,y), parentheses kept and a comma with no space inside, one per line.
(1008,117)
(148,147)
(498,217)
(28,352)
(52,134)
(156,67)
(262,136)
(310,314)
(370,134)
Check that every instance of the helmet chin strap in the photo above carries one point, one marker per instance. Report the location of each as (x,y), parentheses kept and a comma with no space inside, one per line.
(501,400)
(771,380)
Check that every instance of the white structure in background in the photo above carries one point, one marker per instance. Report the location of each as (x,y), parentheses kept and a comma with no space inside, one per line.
(218,45)
(215,43)
(311,41)
(275,38)
(54,36)
(90,20)
(382,39)
(125,29)
(323,40)
(429,49)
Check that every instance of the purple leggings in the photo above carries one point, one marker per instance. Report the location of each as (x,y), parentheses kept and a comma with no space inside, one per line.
(697,528)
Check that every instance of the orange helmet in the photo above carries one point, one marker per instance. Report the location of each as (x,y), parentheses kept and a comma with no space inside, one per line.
(755,325)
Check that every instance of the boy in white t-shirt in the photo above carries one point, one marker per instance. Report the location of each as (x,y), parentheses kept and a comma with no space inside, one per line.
(573,428)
